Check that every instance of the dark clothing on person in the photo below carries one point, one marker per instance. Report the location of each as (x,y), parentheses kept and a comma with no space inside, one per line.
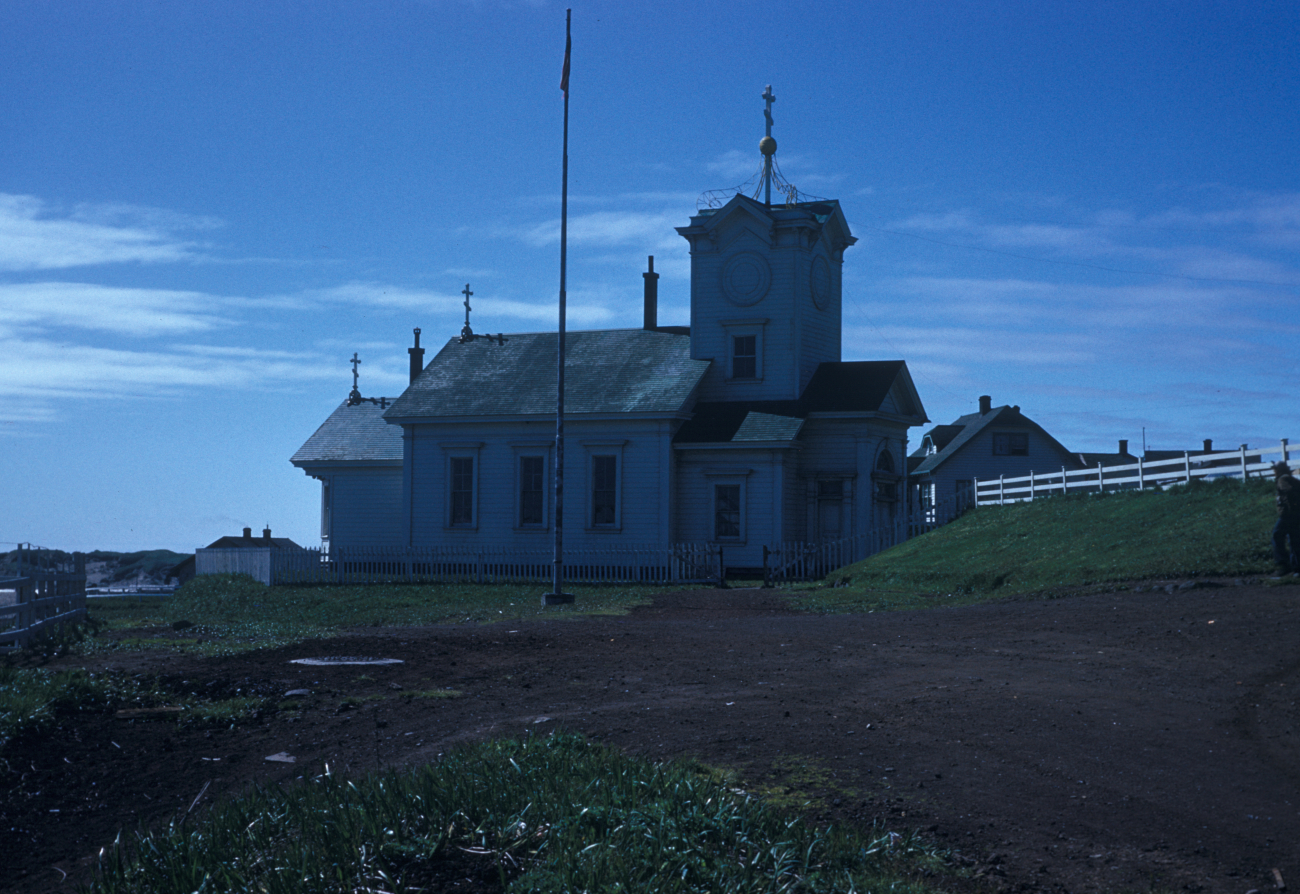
(1288,525)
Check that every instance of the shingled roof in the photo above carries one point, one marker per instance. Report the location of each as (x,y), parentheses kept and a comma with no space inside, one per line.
(356,434)
(605,371)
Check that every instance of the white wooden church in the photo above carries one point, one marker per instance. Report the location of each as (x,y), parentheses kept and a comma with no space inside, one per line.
(745,429)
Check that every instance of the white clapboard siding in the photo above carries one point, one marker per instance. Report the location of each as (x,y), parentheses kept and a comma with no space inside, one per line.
(366,507)
(644,476)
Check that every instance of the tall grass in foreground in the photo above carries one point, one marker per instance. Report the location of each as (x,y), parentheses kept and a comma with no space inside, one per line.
(1202,529)
(230,612)
(554,814)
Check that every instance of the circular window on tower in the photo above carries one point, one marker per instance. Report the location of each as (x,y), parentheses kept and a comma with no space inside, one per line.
(819,281)
(745,278)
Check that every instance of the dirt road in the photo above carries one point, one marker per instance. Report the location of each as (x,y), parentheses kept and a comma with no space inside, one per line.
(1109,742)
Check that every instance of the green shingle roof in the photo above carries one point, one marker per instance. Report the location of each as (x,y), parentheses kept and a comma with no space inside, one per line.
(606,371)
(353,434)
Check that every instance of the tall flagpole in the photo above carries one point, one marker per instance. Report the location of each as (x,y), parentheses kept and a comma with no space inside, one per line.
(557,594)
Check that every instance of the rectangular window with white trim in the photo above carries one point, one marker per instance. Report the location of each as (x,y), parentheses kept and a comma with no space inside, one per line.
(727,512)
(461,489)
(604,491)
(532,491)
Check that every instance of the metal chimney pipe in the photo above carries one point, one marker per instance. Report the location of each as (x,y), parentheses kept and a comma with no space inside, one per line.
(417,357)
(651,296)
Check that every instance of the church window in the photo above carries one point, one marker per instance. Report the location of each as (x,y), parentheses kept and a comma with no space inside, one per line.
(462,491)
(885,478)
(744,357)
(532,491)
(744,341)
(726,511)
(604,491)
(1007,443)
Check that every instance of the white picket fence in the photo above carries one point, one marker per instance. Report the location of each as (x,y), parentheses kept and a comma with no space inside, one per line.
(1240,463)
(38,594)
(681,563)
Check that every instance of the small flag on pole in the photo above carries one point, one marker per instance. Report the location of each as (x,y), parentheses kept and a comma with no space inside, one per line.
(564,76)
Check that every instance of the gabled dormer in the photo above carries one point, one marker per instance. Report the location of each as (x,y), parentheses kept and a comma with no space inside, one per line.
(765,295)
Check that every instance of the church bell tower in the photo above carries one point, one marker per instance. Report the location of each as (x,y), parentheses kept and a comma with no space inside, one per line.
(765,285)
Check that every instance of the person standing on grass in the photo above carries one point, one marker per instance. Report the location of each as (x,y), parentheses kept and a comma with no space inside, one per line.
(1288,521)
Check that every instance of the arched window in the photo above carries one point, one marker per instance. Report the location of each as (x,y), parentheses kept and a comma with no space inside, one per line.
(885,478)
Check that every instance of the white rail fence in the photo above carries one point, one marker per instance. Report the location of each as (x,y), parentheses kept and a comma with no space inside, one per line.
(37,593)
(1240,463)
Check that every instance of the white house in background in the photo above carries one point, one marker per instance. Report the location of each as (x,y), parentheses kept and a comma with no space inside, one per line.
(744,429)
(995,441)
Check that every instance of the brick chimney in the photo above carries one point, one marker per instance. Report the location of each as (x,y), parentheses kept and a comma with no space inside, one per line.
(651,296)
(986,404)
(1208,445)
(417,357)
(1123,447)
(266,534)
(248,533)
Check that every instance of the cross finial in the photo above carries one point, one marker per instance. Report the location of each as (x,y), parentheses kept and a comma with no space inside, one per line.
(466,332)
(355,363)
(767,112)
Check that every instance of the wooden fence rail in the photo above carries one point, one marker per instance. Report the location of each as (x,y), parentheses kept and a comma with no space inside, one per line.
(37,594)
(1240,463)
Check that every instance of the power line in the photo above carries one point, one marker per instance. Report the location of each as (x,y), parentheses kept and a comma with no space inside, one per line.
(1011,254)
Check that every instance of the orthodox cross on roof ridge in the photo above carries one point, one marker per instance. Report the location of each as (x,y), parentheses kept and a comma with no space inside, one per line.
(354,397)
(466,333)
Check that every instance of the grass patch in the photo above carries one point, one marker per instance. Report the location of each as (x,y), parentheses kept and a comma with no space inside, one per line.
(33,699)
(1218,528)
(555,814)
(224,613)
(801,783)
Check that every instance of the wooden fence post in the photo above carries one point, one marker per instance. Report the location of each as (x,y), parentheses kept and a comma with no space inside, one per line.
(1141,479)
(1187,467)
(1284,456)
(1101,479)
(1245,473)
(1031,485)
(1001,496)
(1065,483)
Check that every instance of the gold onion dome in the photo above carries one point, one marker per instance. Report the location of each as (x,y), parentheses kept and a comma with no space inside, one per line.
(767,146)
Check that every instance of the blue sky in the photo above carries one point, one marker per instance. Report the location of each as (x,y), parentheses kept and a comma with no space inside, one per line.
(1091,210)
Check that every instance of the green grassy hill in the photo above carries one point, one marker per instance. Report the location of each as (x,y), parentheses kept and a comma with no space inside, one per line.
(1205,529)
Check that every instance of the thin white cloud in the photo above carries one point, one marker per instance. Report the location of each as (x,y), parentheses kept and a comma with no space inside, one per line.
(125,311)
(34,237)
(45,370)
(648,230)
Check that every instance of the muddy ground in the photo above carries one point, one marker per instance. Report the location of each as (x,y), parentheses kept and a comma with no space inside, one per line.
(1118,742)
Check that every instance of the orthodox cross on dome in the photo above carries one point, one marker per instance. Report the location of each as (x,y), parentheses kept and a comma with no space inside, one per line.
(767,146)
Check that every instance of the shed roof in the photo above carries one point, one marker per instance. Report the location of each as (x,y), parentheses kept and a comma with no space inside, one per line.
(353,433)
(605,371)
(836,387)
